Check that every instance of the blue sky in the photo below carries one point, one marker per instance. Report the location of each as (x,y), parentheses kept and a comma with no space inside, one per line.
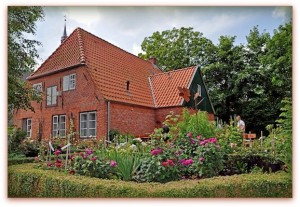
(126,27)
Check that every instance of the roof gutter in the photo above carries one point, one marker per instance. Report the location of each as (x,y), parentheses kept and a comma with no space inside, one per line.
(56,71)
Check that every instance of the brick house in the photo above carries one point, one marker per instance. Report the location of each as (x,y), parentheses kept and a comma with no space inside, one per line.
(98,87)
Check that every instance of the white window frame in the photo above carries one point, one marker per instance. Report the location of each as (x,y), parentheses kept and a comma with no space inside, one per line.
(69,82)
(88,122)
(57,123)
(28,127)
(52,97)
(199,89)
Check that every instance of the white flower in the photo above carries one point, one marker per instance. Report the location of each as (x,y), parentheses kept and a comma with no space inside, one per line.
(133,147)
(138,139)
(144,144)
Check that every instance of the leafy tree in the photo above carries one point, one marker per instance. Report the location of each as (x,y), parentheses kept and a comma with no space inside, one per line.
(177,48)
(21,54)
(221,77)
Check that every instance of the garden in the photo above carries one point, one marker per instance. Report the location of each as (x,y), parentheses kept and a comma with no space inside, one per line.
(205,158)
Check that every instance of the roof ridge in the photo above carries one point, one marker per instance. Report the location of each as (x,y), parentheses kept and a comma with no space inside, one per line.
(81,48)
(173,71)
(118,47)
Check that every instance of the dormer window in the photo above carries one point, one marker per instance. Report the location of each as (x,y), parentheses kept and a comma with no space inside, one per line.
(69,82)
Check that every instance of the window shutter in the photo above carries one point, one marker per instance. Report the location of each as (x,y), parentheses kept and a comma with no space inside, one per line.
(54,94)
(66,83)
(49,96)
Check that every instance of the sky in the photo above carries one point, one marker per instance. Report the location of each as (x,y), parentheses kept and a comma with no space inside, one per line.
(127,26)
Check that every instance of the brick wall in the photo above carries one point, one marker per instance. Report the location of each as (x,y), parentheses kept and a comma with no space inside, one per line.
(71,103)
(136,120)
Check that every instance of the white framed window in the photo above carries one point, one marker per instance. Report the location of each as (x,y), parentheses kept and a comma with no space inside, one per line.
(88,124)
(52,95)
(26,126)
(69,82)
(38,87)
(59,125)
(199,89)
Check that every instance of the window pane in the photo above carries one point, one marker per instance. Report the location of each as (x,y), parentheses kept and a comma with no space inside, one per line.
(92,116)
(92,132)
(92,124)
(62,118)
(83,132)
(72,81)
(66,83)
(55,119)
(83,117)
(83,124)
(62,133)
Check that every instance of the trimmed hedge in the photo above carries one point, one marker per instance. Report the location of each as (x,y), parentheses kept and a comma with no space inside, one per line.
(22,160)
(26,181)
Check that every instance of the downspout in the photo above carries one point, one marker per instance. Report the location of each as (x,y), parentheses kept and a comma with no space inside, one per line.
(108,120)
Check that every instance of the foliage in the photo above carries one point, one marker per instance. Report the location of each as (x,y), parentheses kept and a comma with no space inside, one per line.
(30,147)
(286,124)
(229,136)
(21,54)
(127,162)
(177,48)
(15,138)
(20,160)
(26,181)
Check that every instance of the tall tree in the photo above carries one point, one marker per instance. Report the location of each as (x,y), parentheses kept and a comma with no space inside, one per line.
(21,54)
(221,77)
(177,48)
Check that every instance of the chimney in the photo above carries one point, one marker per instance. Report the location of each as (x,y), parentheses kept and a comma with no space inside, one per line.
(153,60)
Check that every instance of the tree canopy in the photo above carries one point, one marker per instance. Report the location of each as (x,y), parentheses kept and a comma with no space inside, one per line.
(248,79)
(22,53)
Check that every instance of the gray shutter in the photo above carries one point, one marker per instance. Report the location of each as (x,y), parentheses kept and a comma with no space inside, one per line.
(66,83)
(48,96)
(54,94)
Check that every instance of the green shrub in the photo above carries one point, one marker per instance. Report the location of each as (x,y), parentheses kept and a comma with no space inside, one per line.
(25,181)
(20,160)
(15,137)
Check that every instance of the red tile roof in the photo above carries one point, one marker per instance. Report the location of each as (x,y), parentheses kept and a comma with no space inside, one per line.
(165,86)
(111,67)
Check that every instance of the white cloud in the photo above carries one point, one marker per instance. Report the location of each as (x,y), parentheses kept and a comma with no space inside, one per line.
(83,15)
(281,12)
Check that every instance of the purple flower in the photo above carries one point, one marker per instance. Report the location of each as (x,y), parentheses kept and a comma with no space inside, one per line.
(190,135)
(113,163)
(88,151)
(156,151)
(192,141)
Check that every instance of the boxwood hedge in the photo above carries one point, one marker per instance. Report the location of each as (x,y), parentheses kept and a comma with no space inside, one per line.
(26,181)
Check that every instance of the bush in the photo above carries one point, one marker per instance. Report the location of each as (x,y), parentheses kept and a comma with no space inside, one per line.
(20,160)
(25,181)
(15,137)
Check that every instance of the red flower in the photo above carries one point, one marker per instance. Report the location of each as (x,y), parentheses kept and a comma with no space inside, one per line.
(58,164)
(156,151)
(71,172)
(165,164)
(49,164)
(190,135)
(94,158)
(171,163)
(57,152)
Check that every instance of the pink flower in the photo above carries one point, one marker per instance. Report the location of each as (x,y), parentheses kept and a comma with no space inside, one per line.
(199,136)
(88,151)
(212,140)
(202,142)
(170,162)
(36,159)
(113,163)
(186,162)
(190,135)
(58,163)
(59,160)
(201,159)
(57,152)
(49,164)
(156,151)
(94,158)
(165,164)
